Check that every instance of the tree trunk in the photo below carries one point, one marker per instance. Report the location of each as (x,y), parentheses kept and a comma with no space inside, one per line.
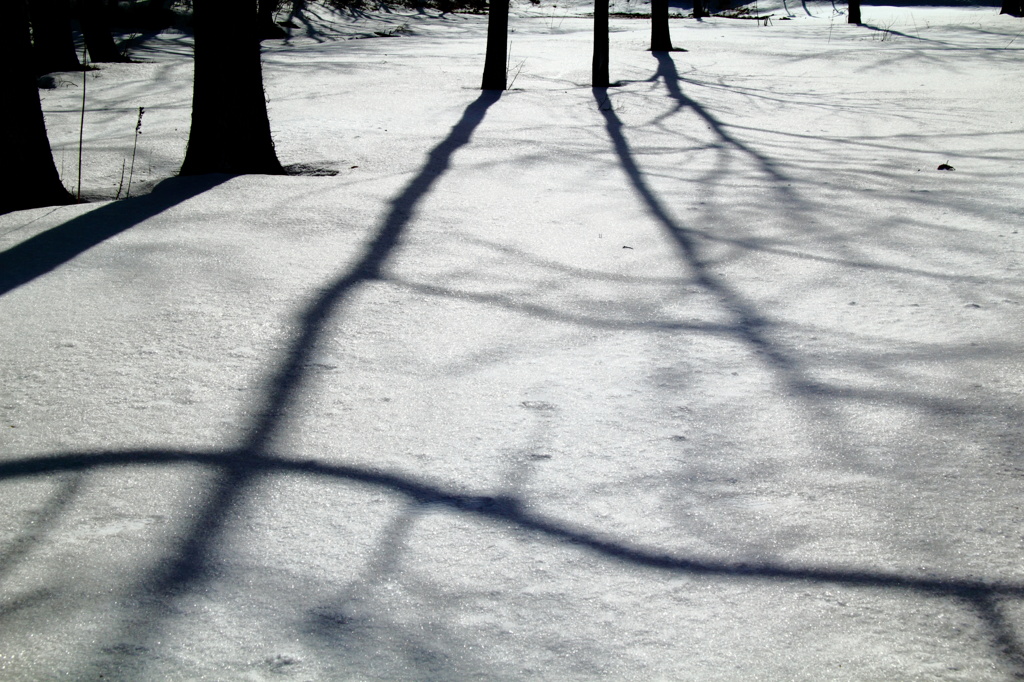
(661,39)
(230,130)
(32,179)
(53,42)
(496,60)
(599,69)
(699,9)
(92,15)
(853,7)
(266,28)
(1015,8)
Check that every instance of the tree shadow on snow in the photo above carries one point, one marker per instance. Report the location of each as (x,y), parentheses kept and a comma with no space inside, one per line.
(49,250)
(192,562)
(755,331)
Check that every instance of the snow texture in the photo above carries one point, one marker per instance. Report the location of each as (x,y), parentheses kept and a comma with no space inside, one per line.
(711,375)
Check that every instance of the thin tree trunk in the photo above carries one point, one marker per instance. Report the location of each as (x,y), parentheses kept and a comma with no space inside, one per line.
(599,69)
(92,15)
(230,130)
(53,42)
(661,38)
(853,8)
(496,60)
(700,10)
(33,181)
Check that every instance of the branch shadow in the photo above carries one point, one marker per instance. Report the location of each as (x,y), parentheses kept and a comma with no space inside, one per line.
(236,471)
(754,330)
(192,561)
(41,522)
(750,325)
(286,383)
(987,598)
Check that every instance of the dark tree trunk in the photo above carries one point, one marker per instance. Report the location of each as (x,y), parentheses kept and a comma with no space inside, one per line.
(661,39)
(92,15)
(267,29)
(700,10)
(854,12)
(53,42)
(1015,8)
(599,69)
(32,178)
(230,130)
(496,60)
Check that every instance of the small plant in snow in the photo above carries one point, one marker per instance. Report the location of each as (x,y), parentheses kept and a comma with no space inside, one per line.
(886,32)
(135,147)
(81,123)
(509,68)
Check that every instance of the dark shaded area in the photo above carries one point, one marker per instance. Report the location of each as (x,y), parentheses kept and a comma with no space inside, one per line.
(142,16)
(47,251)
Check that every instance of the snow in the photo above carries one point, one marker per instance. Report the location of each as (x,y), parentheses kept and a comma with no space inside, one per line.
(708,376)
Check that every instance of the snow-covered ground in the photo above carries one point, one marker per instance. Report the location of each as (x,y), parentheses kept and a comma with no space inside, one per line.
(708,376)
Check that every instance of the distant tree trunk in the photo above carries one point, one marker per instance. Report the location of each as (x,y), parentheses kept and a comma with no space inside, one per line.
(230,130)
(1014,8)
(599,69)
(266,28)
(53,42)
(32,178)
(92,15)
(496,60)
(853,7)
(661,39)
(700,10)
